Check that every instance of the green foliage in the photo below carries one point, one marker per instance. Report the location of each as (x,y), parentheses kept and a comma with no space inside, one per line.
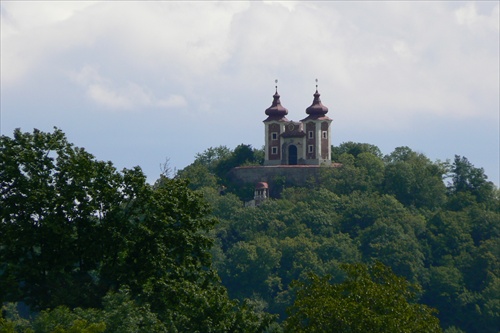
(450,234)
(363,172)
(212,156)
(388,242)
(201,173)
(11,321)
(95,249)
(395,210)
(242,154)
(414,179)
(354,149)
(199,176)
(62,320)
(370,299)
(361,169)
(119,314)
(55,200)
(73,229)
(360,210)
(166,260)
(211,168)
(468,181)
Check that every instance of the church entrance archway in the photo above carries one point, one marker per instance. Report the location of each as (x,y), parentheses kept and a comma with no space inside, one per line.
(292,155)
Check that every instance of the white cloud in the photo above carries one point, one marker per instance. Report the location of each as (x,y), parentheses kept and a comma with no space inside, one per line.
(18,17)
(32,32)
(468,15)
(107,97)
(130,95)
(403,50)
(180,39)
(405,58)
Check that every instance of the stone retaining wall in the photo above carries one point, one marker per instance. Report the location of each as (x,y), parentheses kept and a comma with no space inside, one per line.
(278,176)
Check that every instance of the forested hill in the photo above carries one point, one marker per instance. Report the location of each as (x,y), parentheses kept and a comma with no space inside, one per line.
(435,223)
(393,243)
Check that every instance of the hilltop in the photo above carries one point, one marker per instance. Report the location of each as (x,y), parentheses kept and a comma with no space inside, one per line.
(434,223)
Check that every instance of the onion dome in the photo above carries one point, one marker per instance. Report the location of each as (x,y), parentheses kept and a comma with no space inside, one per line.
(316,108)
(276,110)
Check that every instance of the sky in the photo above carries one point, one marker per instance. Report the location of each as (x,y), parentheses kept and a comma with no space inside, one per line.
(137,83)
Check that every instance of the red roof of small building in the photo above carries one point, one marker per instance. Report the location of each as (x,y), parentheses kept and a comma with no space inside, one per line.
(261,186)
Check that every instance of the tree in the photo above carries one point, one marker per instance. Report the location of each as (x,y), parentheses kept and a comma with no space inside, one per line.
(354,149)
(201,173)
(449,233)
(360,210)
(199,176)
(414,179)
(387,242)
(212,156)
(242,155)
(362,169)
(119,314)
(467,179)
(55,200)
(166,262)
(165,259)
(443,292)
(365,172)
(211,168)
(251,264)
(371,299)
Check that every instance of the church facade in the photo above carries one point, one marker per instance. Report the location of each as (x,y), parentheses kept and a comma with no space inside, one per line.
(304,142)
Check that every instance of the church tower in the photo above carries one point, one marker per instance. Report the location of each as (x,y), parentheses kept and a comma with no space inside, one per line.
(318,132)
(274,127)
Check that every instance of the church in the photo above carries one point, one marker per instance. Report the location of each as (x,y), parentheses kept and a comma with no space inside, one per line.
(306,142)
(295,151)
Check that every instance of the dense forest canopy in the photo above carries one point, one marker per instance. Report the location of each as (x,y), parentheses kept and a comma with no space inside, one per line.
(87,248)
(437,224)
